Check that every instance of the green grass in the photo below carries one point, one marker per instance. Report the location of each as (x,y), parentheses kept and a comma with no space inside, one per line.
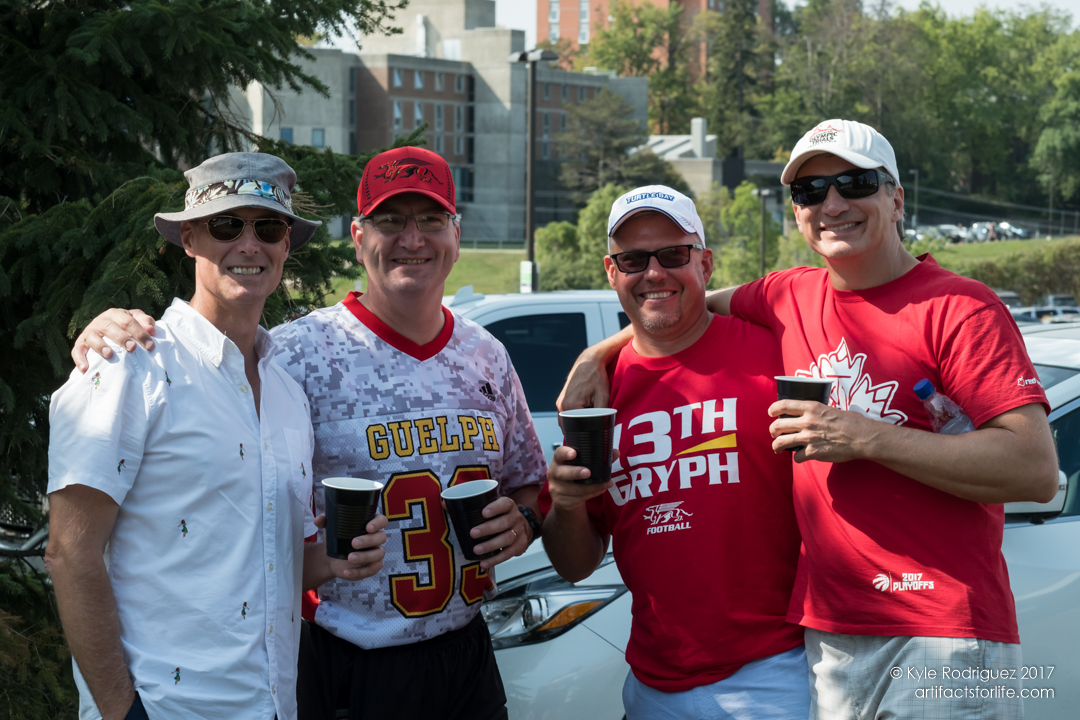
(488,271)
(961,254)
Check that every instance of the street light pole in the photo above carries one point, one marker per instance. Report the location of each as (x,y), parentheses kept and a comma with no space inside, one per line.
(530,277)
(762,194)
(915,217)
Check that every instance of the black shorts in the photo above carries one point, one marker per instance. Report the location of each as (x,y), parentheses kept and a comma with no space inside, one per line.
(453,676)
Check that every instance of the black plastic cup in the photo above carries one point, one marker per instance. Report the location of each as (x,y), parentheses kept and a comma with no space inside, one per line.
(590,432)
(351,503)
(802,388)
(465,503)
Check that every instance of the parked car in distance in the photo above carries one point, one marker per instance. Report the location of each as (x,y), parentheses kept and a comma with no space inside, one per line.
(560,646)
(1045,314)
(954,233)
(1010,298)
(1059,300)
(1008,230)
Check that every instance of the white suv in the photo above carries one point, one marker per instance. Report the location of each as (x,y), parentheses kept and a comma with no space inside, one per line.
(560,646)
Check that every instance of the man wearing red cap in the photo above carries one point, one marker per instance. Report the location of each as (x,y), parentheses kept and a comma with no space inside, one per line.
(901,566)
(403,392)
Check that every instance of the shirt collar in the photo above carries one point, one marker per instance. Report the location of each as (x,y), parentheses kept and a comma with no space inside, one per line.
(210,341)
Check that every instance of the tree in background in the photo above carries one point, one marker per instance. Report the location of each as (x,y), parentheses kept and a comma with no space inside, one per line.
(597,146)
(644,40)
(571,257)
(1057,152)
(101,104)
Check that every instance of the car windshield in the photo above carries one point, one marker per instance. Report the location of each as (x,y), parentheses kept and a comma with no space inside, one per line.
(1050,375)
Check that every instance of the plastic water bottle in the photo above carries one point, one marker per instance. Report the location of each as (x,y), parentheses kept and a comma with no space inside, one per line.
(946,417)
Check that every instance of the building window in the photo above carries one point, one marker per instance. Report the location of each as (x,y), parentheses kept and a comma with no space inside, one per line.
(286,135)
(545,150)
(545,124)
(547,91)
(440,122)
(352,80)
(398,115)
(418,114)
(565,92)
(583,22)
(397,81)
(318,137)
(562,122)
(459,84)
(459,118)
(439,144)
(581,93)
(440,82)
(553,35)
(459,144)
(418,79)
(352,112)
(352,143)
(553,20)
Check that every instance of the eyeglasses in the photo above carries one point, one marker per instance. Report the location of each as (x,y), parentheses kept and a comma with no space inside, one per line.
(850,184)
(226,228)
(425,222)
(636,261)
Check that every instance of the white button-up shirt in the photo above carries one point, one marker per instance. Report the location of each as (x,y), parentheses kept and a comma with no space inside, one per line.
(206,555)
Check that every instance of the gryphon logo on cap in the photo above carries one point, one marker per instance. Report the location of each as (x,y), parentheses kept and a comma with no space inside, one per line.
(823,134)
(646,196)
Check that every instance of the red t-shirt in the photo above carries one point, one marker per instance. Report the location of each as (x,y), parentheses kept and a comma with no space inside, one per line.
(701,515)
(884,554)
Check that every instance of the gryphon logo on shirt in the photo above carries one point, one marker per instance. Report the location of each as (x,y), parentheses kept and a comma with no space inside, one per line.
(666,517)
(908,581)
(645,196)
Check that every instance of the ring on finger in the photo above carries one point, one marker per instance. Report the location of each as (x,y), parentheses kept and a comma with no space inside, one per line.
(515,533)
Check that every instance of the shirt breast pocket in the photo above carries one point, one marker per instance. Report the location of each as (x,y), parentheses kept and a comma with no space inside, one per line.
(299,471)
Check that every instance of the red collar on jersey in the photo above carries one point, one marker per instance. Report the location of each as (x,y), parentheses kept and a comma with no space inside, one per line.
(396,339)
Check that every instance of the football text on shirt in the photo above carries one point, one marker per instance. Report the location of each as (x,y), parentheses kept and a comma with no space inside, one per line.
(428,435)
(656,471)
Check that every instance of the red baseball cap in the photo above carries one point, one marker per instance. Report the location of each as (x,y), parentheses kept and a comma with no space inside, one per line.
(405,170)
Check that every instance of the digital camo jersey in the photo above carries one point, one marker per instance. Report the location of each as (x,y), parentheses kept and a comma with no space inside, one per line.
(417,419)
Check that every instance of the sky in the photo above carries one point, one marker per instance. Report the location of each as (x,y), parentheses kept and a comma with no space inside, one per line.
(521,14)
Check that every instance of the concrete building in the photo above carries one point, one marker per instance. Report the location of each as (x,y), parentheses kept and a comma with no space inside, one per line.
(694,156)
(449,69)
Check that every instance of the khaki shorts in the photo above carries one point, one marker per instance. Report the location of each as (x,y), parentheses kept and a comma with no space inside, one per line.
(866,677)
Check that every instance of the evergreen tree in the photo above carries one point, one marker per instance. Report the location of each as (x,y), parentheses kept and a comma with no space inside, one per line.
(101,103)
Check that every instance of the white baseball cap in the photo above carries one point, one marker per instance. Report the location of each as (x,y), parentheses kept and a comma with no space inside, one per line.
(861,145)
(659,198)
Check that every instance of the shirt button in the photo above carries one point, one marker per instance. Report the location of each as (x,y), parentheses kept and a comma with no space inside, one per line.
(243,388)
(266,446)
(271,567)
(216,359)
(273,689)
(271,630)
(269,506)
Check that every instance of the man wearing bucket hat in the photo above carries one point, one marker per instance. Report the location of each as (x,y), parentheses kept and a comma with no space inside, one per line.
(403,392)
(901,563)
(697,497)
(186,466)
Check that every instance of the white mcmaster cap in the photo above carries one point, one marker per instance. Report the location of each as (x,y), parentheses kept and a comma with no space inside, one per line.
(861,145)
(660,198)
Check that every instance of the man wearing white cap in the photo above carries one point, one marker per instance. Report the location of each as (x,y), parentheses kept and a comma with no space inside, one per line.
(186,467)
(901,564)
(699,508)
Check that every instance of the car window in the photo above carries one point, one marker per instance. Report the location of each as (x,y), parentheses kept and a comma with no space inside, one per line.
(1050,375)
(543,349)
(1066,431)
(624,320)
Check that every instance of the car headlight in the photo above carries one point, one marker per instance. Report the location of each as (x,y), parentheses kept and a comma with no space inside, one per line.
(542,606)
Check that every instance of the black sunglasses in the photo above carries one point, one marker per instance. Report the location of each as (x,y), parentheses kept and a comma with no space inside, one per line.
(226,228)
(851,184)
(636,261)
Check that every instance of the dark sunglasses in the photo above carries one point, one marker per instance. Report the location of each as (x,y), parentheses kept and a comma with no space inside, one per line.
(226,228)
(636,261)
(850,184)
